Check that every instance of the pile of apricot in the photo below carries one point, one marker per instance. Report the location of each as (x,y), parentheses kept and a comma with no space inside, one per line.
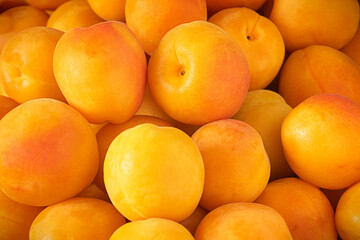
(179,120)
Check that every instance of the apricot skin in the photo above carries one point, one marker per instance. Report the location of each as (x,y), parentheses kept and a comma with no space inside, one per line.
(217,5)
(321,141)
(46,4)
(109,9)
(106,59)
(297,202)
(352,49)
(6,104)
(48,153)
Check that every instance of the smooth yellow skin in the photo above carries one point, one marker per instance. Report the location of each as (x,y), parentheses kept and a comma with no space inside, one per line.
(77,219)
(265,111)
(154,172)
(26,65)
(260,40)
(19,18)
(73,14)
(321,22)
(347,214)
(109,9)
(243,221)
(151,229)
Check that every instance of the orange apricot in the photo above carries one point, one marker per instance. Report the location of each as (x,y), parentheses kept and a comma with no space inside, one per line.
(92,191)
(46,4)
(19,18)
(237,167)
(6,104)
(192,222)
(48,153)
(154,228)
(148,169)
(307,22)
(26,65)
(109,9)
(106,78)
(319,69)
(150,20)
(214,6)
(347,214)
(110,131)
(15,218)
(321,141)
(243,221)
(297,202)
(265,111)
(260,40)
(73,14)
(352,49)
(198,74)
(77,218)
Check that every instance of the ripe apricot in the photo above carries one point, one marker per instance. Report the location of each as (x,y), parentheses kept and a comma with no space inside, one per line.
(77,218)
(347,214)
(15,218)
(101,71)
(319,69)
(110,131)
(148,169)
(109,9)
(46,4)
(260,40)
(6,104)
(26,65)
(321,141)
(297,202)
(48,153)
(243,221)
(307,22)
(19,18)
(92,191)
(155,228)
(192,222)
(73,14)
(265,111)
(150,20)
(352,49)
(237,167)
(198,74)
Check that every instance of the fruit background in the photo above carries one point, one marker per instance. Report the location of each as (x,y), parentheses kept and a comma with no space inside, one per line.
(181,120)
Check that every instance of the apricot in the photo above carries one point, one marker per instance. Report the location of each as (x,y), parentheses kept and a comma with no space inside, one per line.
(6,104)
(110,131)
(150,20)
(48,153)
(101,71)
(19,18)
(307,22)
(192,222)
(243,221)
(260,40)
(26,65)
(348,213)
(237,167)
(319,69)
(15,218)
(298,202)
(198,74)
(148,169)
(352,49)
(109,9)
(150,108)
(265,111)
(73,14)
(4,37)
(77,218)
(321,141)
(92,191)
(214,6)
(46,4)
(155,228)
